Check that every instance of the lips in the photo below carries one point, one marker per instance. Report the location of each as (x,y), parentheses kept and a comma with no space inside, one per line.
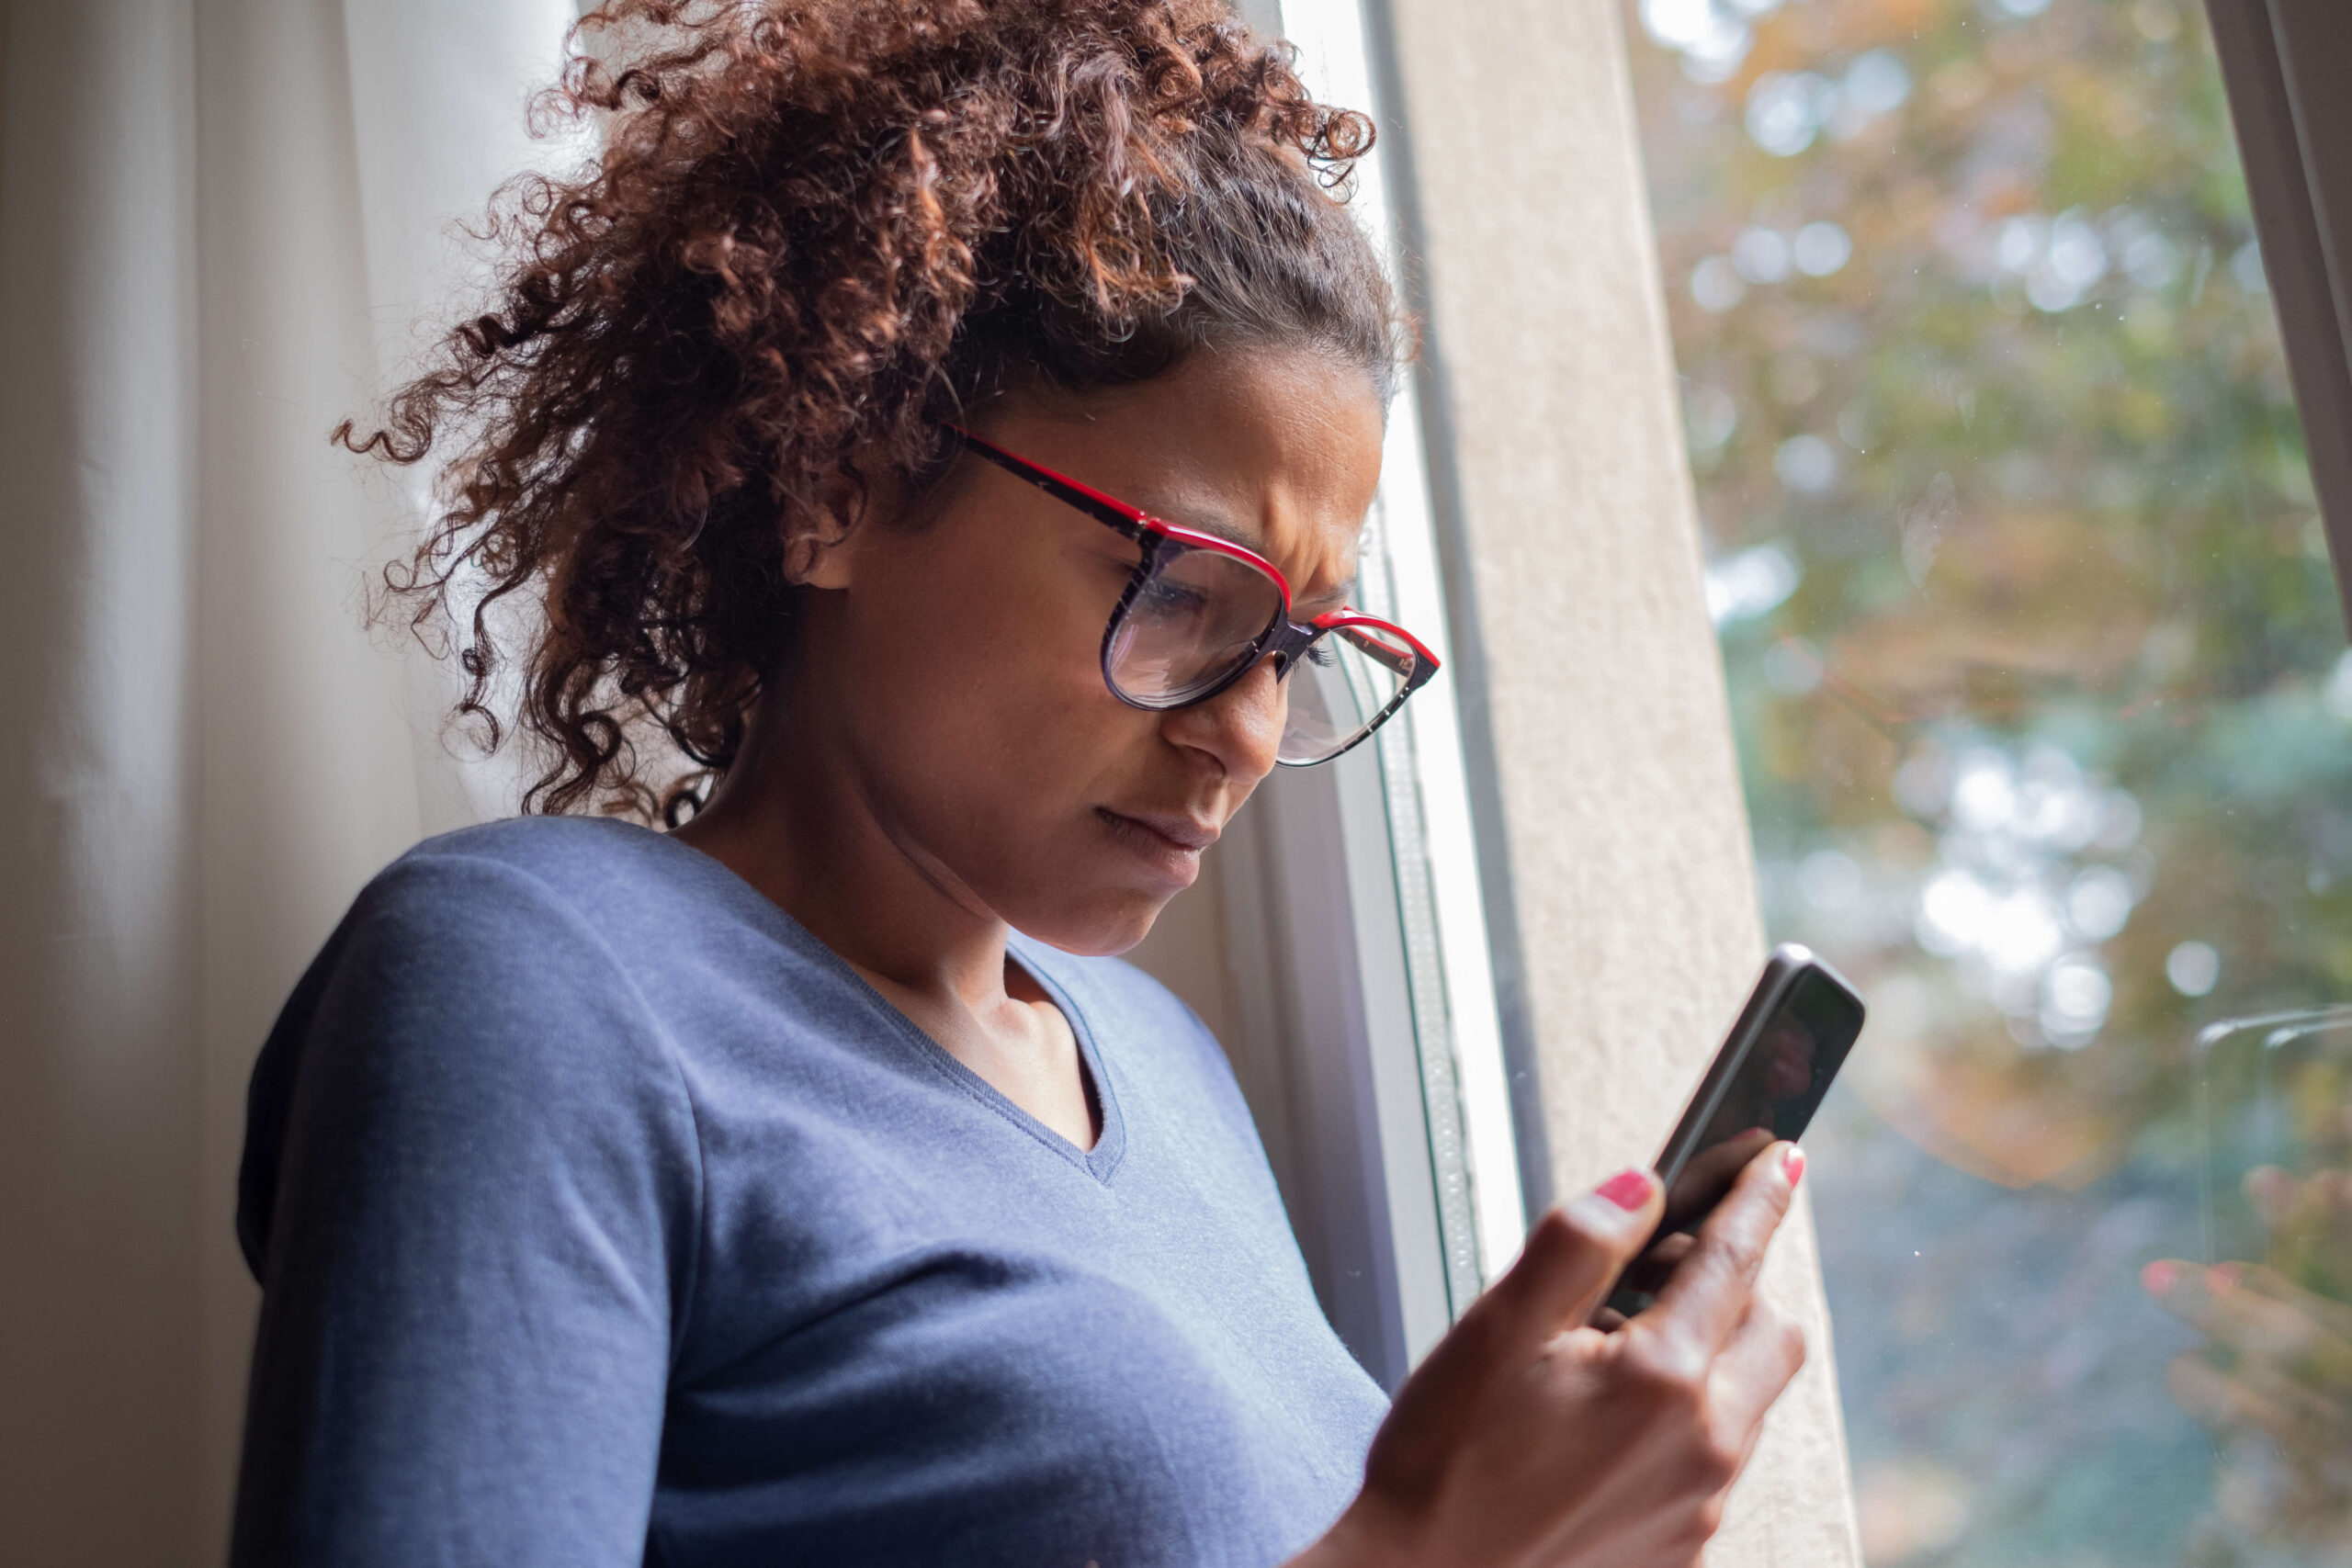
(1178,829)
(1168,843)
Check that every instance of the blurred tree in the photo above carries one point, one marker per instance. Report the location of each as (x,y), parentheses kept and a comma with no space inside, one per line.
(2040,680)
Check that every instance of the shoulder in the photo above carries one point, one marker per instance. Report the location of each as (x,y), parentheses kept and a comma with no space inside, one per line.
(642,899)
(473,1001)
(519,934)
(500,914)
(576,861)
(505,901)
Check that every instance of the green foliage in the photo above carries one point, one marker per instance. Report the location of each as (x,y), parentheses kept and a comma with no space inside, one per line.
(2038,676)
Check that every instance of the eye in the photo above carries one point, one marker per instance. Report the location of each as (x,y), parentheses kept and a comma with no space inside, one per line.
(1163,597)
(1321,654)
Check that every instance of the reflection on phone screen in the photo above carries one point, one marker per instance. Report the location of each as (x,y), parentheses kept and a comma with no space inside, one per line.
(1773,1095)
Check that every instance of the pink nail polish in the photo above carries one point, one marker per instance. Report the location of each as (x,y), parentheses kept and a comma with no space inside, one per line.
(1628,1189)
(2159,1277)
(1793,1161)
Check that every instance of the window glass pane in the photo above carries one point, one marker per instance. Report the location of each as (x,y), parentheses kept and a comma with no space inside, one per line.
(1424,772)
(2046,726)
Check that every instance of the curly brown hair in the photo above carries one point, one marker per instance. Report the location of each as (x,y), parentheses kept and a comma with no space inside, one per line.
(821,227)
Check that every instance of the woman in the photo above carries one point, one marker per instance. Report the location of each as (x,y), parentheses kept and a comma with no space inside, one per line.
(754,1192)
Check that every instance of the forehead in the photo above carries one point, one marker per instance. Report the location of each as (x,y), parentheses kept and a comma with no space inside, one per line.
(1276,451)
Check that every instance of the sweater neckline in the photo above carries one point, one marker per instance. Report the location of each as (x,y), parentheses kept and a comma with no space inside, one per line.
(1037,958)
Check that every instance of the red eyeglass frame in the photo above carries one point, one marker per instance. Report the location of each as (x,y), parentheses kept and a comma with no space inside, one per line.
(1284,640)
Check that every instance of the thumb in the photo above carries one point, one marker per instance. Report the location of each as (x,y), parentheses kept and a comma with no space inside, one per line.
(1575,1251)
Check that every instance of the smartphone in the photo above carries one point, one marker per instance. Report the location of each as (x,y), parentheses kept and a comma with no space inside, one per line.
(1763,1086)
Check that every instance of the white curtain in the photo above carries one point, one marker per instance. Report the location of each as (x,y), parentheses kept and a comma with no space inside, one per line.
(220,223)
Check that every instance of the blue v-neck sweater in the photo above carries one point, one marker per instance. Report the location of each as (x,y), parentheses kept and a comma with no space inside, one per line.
(604,1216)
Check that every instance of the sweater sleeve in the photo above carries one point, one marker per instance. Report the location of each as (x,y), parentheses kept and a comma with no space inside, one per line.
(473,1193)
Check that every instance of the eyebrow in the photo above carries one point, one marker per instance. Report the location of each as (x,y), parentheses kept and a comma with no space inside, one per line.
(1250,539)
(1323,603)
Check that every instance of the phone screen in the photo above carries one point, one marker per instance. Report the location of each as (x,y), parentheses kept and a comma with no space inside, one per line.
(1764,1086)
(1775,1086)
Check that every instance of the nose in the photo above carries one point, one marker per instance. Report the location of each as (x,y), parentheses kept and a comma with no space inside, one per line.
(1240,728)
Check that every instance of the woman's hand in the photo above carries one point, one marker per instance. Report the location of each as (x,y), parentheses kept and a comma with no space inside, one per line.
(2274,1379)
(1527,1440)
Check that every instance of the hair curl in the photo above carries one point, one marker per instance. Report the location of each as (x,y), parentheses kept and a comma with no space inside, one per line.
(820,227)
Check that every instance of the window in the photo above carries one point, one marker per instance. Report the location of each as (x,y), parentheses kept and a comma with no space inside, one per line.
(1365,1026)
(2045,721)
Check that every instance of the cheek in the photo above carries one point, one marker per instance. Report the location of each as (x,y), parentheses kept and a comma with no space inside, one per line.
(987,675)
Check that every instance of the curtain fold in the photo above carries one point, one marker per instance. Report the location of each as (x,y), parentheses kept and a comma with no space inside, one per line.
(98,962)
(222,222)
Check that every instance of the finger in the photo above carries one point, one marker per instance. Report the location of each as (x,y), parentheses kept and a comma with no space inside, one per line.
(1575,1253)
(2332,1190)
(1668,1251)
(2214,1302)
(2221,1401)
(1710,1173)
(1707,1294)
(2272,1191)
(2309,1419)
(1764,1355)
(2320,1195)
(1572,1255)
(1649,1272)
(2333,1317)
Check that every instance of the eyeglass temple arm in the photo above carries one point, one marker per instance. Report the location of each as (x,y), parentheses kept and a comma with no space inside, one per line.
(1093,502)
(1411,661)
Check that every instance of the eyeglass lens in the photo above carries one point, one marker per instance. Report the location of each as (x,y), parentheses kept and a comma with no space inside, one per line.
(1340,689)
(1191,624)
(1201,615)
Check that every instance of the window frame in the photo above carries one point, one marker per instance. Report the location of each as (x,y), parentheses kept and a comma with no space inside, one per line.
(1360,930)
(2283,65)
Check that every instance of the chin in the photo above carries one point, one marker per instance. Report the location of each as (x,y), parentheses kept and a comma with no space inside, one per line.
(1102,926)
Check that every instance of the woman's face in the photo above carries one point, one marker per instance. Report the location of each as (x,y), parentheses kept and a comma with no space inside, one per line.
(956,659)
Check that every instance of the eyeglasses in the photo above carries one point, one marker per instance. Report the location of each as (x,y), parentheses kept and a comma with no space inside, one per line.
(1199,612)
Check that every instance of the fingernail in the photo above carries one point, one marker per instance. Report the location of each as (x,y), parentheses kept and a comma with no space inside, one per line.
(2159,1277)
(1628,1189)
(1793,1161)
(2221,1277)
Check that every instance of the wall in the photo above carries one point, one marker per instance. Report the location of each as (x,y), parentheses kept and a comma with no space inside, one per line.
(1557,448)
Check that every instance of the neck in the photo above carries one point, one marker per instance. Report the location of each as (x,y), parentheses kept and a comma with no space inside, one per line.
(794,818)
